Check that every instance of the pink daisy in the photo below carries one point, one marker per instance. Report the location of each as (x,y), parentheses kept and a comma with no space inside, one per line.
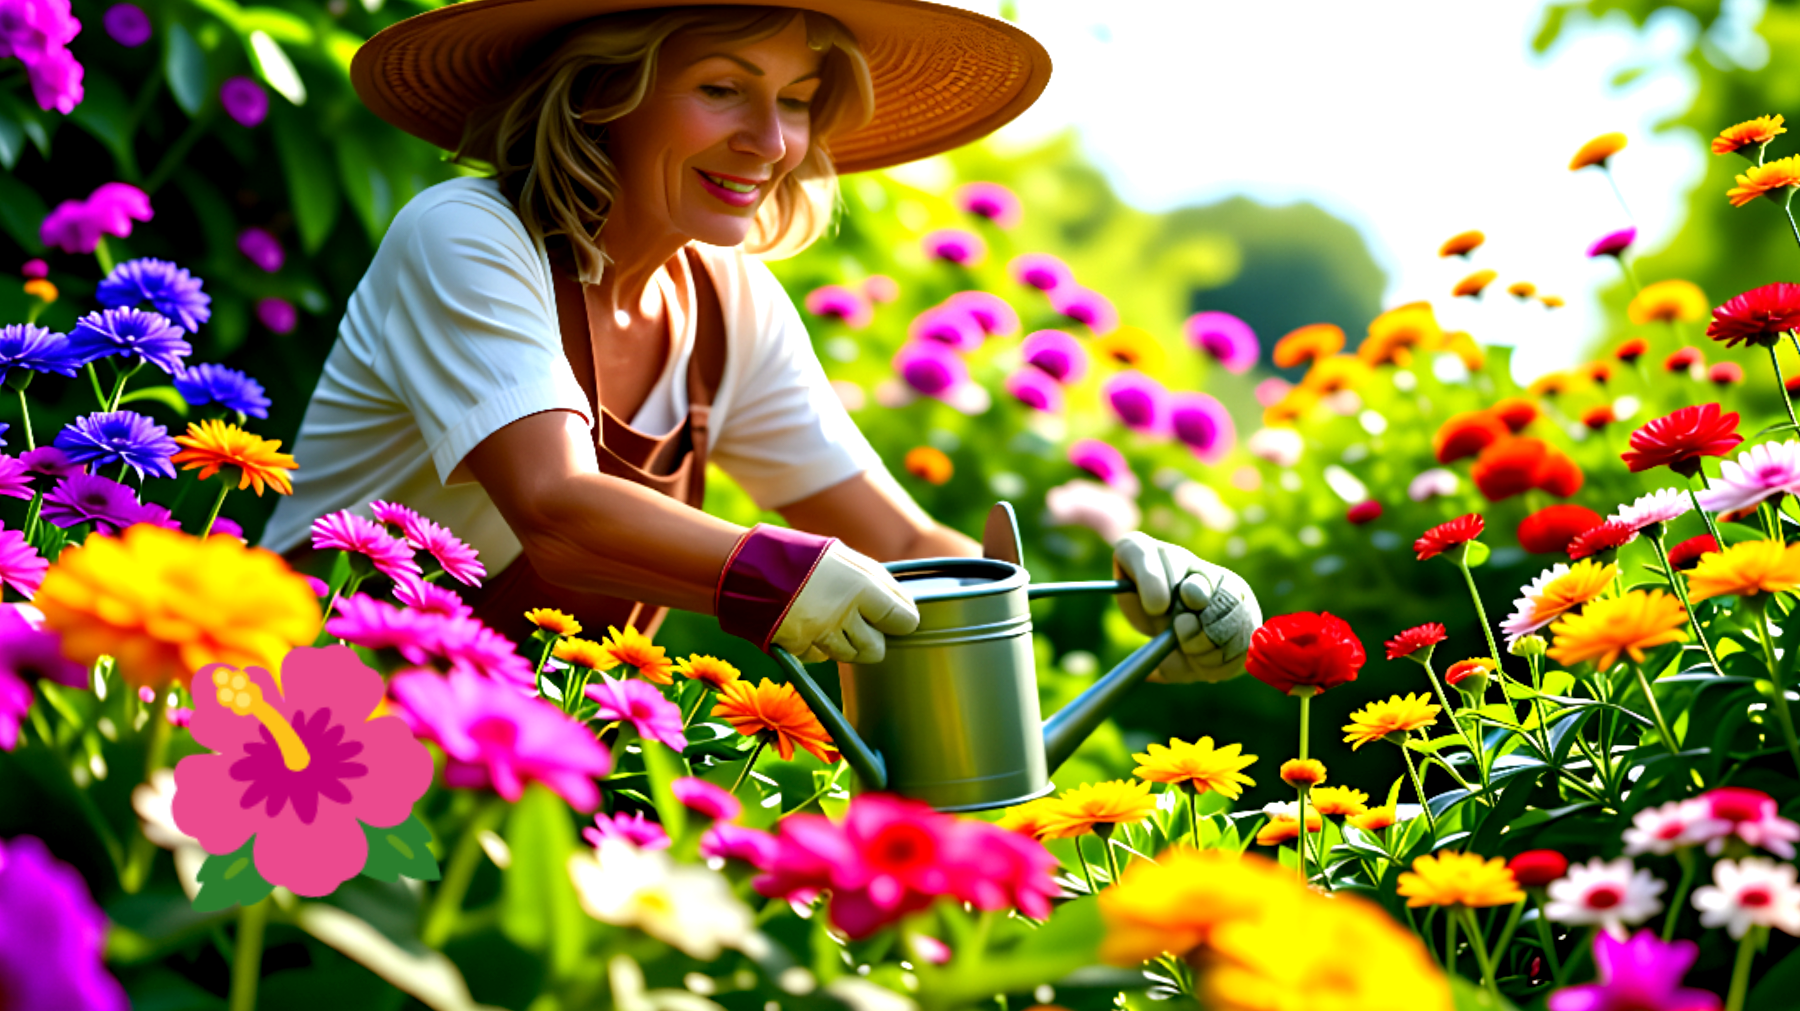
(345,531)
(633,828)
(21,567)
(638,703)
(991,312)
(1035,390)
(1764,470)
(1041,271)
(1138,401)
(1057,354)
(709,799)
(361,620)
(431,598)
(991,201)
(455,557)
(726,841)
(1659,506)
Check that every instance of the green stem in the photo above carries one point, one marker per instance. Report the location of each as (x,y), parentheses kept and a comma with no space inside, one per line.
(1112,860)
(1086,871)
(1680,588)
(212,517)
(1418,785)
(1450,922)
(1606,170)
(1193,806)
(31,515)
(1548,942)
(688,720)
(25,410)
(1437,685)
(1788,206)
(1688,866)
(749,763)
(1694,493)
(1740,972)
(246,961)
(1784,718)
(172,158)
(1306,693)
(1480,612)
(1507,931)
(446,905)
(537,676)
(1662,725)
(1481,953)
(94,377)
(1775,361)
(112,403)
(103,253)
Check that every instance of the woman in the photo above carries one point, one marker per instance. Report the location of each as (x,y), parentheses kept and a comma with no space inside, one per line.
(509,326)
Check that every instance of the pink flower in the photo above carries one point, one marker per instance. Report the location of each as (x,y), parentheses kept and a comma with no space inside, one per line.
(21,567)
(458,560)
(955,245)
(991,201)
(28,654)
(1764,470)
(1041,271)
(711,800)
(244,100)
(951,326)
(930,368)
(75,226)
(633,828)
(1752,816)
(496,736)
(262,248)
(1106,511)
(16,698)
(36,32)
(1035,390)
(1138,401)
(1366,511)
(880,289)
(752,846)
(1662,830)
(1613,243)
(1659,506)
(834,301)
(1056,354)
(447,642)
(278,314)
(301,767)
(1104,461)
(361,620)
(1203,425)
(989,311)
(640,704)
(1229,340)
(345,531)
(429,598)
(1086,306)
(1272,391)
(1640,974)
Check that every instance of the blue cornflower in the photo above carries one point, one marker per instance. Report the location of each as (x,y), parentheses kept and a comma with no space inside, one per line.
(33,347)
(133,333)
(215,384)
(105,438)
(173,291)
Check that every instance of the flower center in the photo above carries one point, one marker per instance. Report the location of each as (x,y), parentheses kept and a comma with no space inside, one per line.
(1755,897)
(273,781)
(1604,897)
(1671,830)
(245,698)
(902,847)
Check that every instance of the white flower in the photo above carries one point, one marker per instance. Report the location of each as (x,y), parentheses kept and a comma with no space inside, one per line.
(1754,891)
(1206,506)
(1659,506)
(1763,470)
(1663,830)
(1608,894)
(154,802)
(1436,481)
(688,906)
(1279,446)
(1093,505)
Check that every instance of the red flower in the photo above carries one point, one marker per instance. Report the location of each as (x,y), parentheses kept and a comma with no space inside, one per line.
(1606,536)
(1679,440)
(1792,383)
(1597,371)
(1727,373)
(1304,650)
(1515,413)
(1414,639)
(1537,868)
(1445,536)
(1366,511)
(1513,466)
(1462,670)
(1684,360)
(1549,530)
(1687,554)
(1630,351)
(1560,476)
(1758,316)
(1598,417)
(1467,434)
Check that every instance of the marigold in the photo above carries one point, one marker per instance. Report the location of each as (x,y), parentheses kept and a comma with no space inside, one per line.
(1551,301)
(1631,624)
(1680,439)
(1397,333)
(710,669)
(1337,801)
(1462,244)
(551,620)
(1374,819)
(1473,285)
(1467,434)
(1772,179)
(634,649)
(778,714)
(1629,351)
(164,604)
(1522,290)
(1173,903)
(1298,772)
(1445,536)
(212,444)
(583,653)
(1286,828)
(1746,569)
(929,464)
(1310,343)
(1200,765)
(1741,137)
(1671,301)
(1597,151)
(1400,714)
(1115,802)
(1450,878)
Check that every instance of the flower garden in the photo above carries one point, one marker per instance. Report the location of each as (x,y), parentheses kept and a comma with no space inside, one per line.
(1518,731)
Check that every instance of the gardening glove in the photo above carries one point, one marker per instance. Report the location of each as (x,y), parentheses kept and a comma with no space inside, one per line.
(1217,612)
(843,609)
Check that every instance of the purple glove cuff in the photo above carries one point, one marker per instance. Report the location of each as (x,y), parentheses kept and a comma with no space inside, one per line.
(762,577)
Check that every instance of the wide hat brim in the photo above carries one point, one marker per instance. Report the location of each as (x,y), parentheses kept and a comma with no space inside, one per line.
(942,76)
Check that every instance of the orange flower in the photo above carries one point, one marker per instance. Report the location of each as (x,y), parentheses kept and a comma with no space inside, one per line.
(583,653)
(1338,801)
(1515,412)
(778,714)
(1330,375)
(635,649)
(1551,301)
(1741,137)
(1631,350)
(929,464)
(1449,878)
(1467,434)
(212,444)
(41,289)
(1684,359)
(1374,819)
(1308,344)
(1473,285)
(1462,244)
(1303,772)
(1773,180)
(1286,828)
(551,620)
(1396,333)
(1033,818)
(1463,346)
(1118,802)
(1668,301)
(1598,417)
(1517,465)
(1551,384)
(1522,290)
(709,669)
(1293,406)
(1595,371)
(1597,151)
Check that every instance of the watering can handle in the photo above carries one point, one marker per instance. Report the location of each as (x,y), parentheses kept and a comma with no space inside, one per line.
(867,762)
(1036,590)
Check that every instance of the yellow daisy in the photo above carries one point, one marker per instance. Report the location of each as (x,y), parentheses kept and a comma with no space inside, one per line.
(1630,624)
(1449,878)
(1199,765)
(583,653)
(1329,375)
(634,649)
(1286,827)
(1374,819)
(1115,802)
(1597,151)
(551,620)
(709,669)
(1337,800)
(1033,818)
(1473,285)
(1773,179)
(1673,300)
(1551,301)
(1397,333)
(1521,290)
(1745,570)
(1400,714)
(1750,133)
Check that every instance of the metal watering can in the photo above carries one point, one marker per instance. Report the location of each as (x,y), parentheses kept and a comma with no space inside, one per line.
(951,716)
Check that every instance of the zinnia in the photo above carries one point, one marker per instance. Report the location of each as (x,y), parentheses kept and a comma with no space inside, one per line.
(1758,316)
(1410,642)
(1630,624)
(1304,651)
(1445,536)
(1740,137)
(1605,537)
(1679,440)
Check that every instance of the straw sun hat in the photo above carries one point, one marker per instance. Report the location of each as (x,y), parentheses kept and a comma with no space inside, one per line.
(943,76)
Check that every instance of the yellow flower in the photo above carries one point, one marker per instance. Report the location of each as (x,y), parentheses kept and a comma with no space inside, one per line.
(1551,301)
(41,289)
(1115,802)
(1553,594)
(1630,624)
(634,649)
(584,653)
(1746,569)
(164,604)
(1473,355)
(929,464)
(709,669)
(1282,828)
(1329,375)
(1172,904)
(1597,151)
(1521,290)
(1293,406)
(1199,765)
(1396,333)
(1374,819)
(1308,344)
(1449,878)
(1337,800)
(1133,347)
(551,620)
(1400,714)
(1673,300)
(778,713)
(1757,132)
(1462,244)
(1033,818)
(1474,284)
(212,444)
(1551,384)
(1773,179)
(1303,772)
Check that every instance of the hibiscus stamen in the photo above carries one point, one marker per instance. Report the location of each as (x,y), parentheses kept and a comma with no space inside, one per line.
(245,698)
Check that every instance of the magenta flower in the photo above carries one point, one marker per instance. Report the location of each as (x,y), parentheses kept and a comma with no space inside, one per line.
(36,32)
(300,766)
(449,641)
(1203,424)
(52,935)
(345,531)
(991,201)
(880,289)
(1640,974)
(75,226)
(955,245)
(948,325)
(27,653)
(1057,354)
(361,620)
(1613,244)
(16,698)
(991,312)
(1035,390)
(467,644)
(90,498)
(633,828)
(498,737)
(244,100)
(1226,338)
(638,702)
(278,314)
(1270,391)
(429,598)
(742,843)
(930,368)
(1104,461)
(1041,271)
(48,461)
(834,301)
(458,560)
(398,519)
(127,24)
(21,567)
(1086,306)
(34,269)
(15,478)
(1138,401)
(262,248)
(713,801)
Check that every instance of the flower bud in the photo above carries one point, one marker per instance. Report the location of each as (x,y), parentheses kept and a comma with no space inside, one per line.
(1470,676)
(1303,772)
(1529,646)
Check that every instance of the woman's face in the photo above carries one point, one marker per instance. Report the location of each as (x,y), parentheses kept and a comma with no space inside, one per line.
(723,124)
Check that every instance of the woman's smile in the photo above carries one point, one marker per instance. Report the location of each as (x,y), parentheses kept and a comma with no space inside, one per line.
(733,190)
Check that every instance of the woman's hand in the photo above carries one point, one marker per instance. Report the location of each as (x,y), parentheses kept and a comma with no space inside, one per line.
(843,610)
(1219,611)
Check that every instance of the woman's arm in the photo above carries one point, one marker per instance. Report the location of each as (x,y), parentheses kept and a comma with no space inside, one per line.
(876,517)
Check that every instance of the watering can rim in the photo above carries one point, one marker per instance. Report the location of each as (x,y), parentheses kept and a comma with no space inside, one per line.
(1015,577)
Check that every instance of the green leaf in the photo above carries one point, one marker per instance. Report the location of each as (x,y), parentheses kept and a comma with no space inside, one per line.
(664,768)
(230,879)
(105,113)
(311,183)
(1471,997)
(168,396)
(274,67)
(538,907)
(365,185)
(1069,940)
(401,850)
(22,213)
(12,140)
(31,120)
(184,65)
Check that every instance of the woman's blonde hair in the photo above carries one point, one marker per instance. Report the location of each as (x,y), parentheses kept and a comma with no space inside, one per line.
(547,143)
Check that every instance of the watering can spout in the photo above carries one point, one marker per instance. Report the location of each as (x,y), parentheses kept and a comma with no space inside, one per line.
(1071,725)
(866,761)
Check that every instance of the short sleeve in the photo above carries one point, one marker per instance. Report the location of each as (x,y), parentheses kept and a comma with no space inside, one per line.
(470,341)
(787,435)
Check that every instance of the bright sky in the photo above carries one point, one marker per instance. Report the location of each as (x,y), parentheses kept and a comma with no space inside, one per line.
(1413,119)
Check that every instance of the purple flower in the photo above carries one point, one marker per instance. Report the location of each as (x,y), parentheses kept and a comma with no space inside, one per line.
(1641,974)
(36,32)
(709,799)
(262,248)
(1086,306)
(1226,338)
(215,384)
(15,478)
(21,567)
(90,498)
(949,326)
(159,516)
(991,201)
(31,347)
(1104,461)
(30,653)
(75,226)
(169,289)
(834,301)
(740,842)
(1041,271)
(105,438)
(990,312)
(15,701)
(1058,354)
(223,526)
(1203,424)
(51,934)
(34,269)
(1035,390)
(1138,401)
(48,461)
(278,314)
(955,245)
(930,368)
(640,704)
(633,828)
(127,24)
(244,100)
(1613,244)
(132,333)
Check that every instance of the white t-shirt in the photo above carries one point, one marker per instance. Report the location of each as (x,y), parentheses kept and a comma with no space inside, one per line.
(453,334)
